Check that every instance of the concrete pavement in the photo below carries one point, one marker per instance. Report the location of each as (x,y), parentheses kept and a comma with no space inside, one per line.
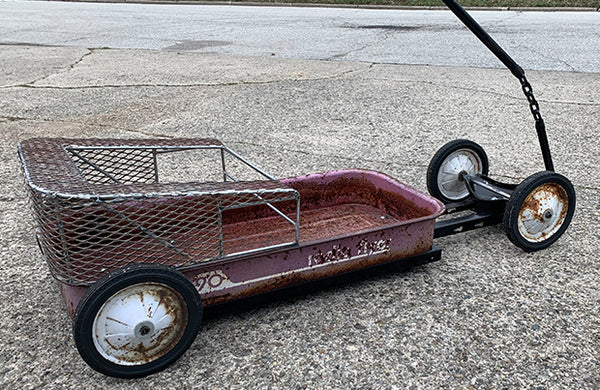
(487,316)
(567,41)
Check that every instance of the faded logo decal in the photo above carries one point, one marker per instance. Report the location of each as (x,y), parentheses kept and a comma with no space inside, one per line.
(341,253)
(210,281)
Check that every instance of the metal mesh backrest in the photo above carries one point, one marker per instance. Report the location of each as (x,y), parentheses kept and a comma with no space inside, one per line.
(98,207)
(125,166)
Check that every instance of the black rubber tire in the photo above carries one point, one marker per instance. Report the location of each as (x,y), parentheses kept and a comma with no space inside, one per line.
(436,163)
(116,281)
(519,201)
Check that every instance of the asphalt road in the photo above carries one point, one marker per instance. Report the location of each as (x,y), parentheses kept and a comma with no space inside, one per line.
(538,40)
(487,316)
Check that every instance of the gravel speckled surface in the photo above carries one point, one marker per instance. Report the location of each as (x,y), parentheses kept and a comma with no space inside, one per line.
(487,316)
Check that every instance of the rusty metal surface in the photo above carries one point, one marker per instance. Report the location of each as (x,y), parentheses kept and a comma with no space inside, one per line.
(233,280)
(59,166)
(350,219)
(139,324)
(375,189)
(127,216)
(404,227)
(543,212)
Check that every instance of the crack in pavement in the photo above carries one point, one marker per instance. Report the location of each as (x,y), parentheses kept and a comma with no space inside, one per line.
(89,53)
(376,161)
(542,54)
(510,96)
(86,123)
(283,149)
(501,94)
(67,69)
(72,66)
(310,153)
(4,118)
(140,132)
(191,85)
(385,35)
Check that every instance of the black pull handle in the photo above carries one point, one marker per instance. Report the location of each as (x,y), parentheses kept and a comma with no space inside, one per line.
(515,69)
(484,37)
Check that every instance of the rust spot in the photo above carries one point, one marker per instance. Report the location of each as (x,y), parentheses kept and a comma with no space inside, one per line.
(351,190)
(545,192)
(532,204)
(114,346)
(140,350)
(163,340)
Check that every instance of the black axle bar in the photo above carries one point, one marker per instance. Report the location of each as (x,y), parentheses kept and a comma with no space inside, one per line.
(466,223)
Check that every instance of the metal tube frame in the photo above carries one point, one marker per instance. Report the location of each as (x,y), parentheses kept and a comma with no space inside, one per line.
(295,224)
(226,175)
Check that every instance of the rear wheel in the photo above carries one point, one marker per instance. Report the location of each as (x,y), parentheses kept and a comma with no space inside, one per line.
(539,210)
(444,180)
(137,320)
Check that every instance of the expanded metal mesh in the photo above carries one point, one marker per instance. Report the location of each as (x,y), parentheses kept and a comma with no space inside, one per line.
(125,166)
(99,205)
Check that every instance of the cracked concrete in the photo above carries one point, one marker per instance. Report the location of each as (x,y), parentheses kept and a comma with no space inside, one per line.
(161,78)
(24,65)
(538,40)
(487,316)
(162,69)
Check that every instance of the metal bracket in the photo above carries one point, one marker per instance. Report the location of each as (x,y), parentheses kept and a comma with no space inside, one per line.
(487,202)
(485,189)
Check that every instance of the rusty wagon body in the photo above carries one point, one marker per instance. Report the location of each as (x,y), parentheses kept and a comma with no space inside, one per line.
(102,209)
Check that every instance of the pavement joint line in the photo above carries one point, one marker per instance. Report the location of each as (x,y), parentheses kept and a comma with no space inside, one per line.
(33,85)
(65,70)
(193,85)
(515,96)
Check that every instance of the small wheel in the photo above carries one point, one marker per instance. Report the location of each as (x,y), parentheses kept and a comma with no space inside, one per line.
(444,180)
(539,210)
(137,320)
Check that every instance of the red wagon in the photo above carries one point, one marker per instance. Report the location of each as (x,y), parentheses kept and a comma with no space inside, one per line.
(146,255)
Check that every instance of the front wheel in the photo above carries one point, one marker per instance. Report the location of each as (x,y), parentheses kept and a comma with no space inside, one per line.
(539,210)
(444,174)
(137,320)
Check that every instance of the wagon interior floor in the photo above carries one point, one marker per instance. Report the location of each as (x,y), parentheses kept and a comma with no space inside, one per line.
(315,224)
(253,233)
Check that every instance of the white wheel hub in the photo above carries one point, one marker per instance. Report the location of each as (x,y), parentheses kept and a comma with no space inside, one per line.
(449,180)
(139,324)
(543,212)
